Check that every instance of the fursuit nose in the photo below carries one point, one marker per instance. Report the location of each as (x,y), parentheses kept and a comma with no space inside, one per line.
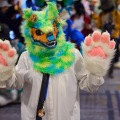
(50,36)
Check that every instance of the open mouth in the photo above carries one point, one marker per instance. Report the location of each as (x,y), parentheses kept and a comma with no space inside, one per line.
(50,44)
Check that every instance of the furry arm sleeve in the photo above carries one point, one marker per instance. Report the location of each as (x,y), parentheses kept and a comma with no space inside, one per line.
(87,81)
(98,51)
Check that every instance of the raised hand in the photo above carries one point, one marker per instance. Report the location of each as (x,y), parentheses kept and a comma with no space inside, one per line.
(8,57)
(98,50)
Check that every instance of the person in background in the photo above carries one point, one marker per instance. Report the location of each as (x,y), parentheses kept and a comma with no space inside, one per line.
(81,21)
(93,4)
(4,31)
(74,35)
(94,12)
(14,12)
(71,33)
(86,5)
(117,5)
(8,17)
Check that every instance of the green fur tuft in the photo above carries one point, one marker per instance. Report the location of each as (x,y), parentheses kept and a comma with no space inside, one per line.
(52,10)
(27,13)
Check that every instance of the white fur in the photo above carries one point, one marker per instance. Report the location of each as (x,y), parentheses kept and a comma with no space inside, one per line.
(6,71)
(6,74)
(97,65)
(2,84)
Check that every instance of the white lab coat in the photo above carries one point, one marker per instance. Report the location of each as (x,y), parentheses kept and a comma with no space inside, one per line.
(63,100)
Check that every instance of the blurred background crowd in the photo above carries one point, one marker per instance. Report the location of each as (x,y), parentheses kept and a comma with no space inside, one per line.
(82,18)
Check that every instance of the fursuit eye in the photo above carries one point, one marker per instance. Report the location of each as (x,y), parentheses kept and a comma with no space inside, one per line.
(38,32)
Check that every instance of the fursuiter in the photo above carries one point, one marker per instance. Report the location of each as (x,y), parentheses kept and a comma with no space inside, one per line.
(51,71)
(44,39)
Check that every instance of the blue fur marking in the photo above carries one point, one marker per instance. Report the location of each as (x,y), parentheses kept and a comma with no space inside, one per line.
(26,31)
(37,25)
(59,71)
(51,37)
(35,59)
(56,71)
(59,54)
(46,12)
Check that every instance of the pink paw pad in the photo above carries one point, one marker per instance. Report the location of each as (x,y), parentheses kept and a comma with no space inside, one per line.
(3,61)
(97,51)
(88,40)
(101,53)
(96,36)
(105,37)
(5,46)
(112,44)
(11,53)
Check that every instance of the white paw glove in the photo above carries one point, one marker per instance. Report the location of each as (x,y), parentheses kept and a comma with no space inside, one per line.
(98,52)
(8,57)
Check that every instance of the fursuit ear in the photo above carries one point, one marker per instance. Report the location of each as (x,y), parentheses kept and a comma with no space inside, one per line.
(27,13)
(51,10)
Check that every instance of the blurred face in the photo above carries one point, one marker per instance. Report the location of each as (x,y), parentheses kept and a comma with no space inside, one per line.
(4,9)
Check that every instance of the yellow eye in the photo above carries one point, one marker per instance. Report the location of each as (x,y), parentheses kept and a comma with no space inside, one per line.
(39,32)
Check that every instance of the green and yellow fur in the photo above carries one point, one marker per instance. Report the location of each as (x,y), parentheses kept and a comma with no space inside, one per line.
(55,60)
